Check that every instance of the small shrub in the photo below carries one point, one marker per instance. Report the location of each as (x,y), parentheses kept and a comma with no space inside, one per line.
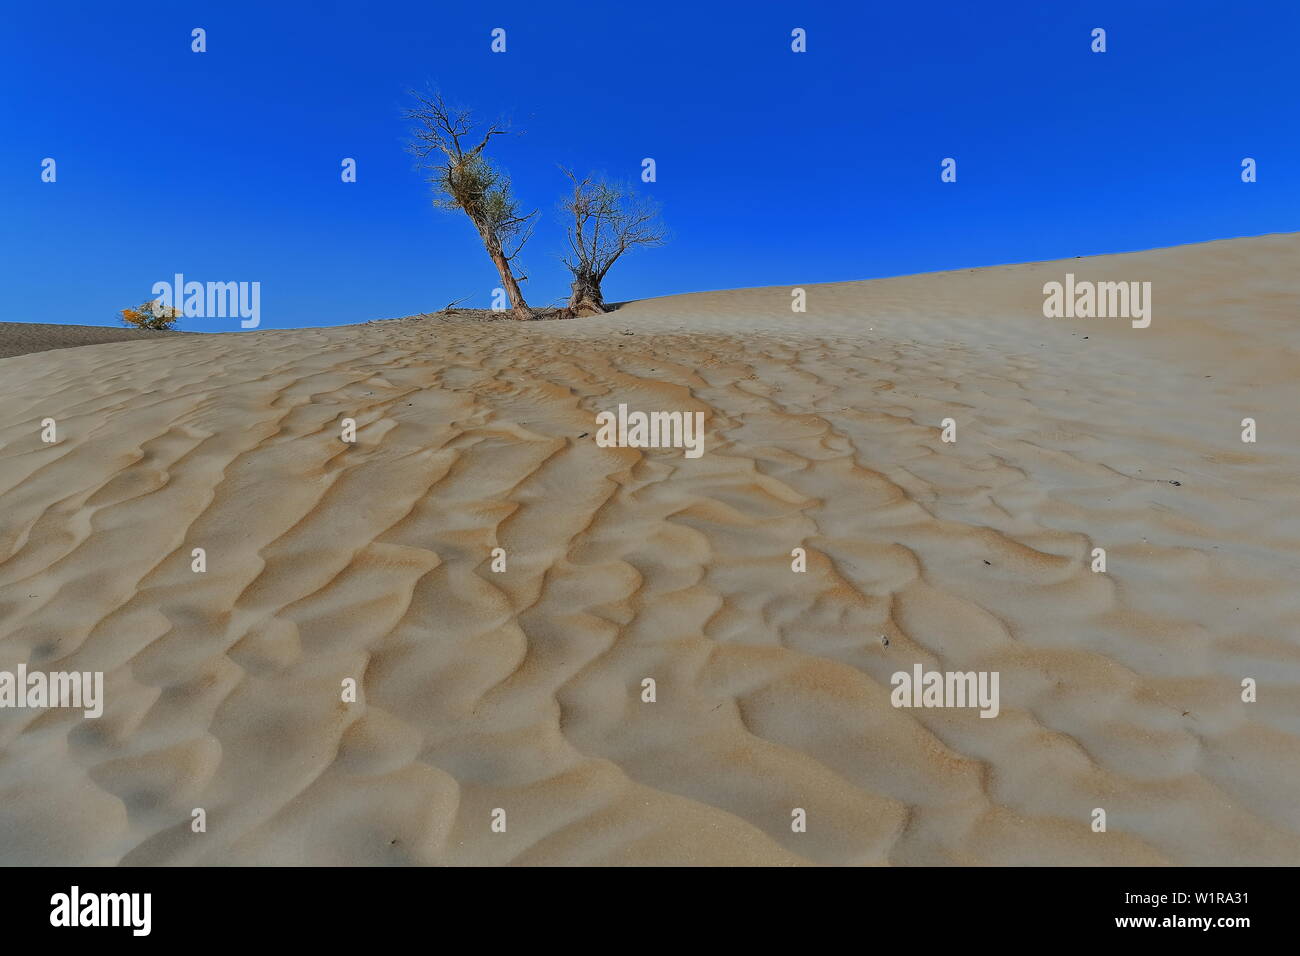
(152,315)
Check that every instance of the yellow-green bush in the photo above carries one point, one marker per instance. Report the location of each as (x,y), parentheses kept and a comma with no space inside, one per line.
(151,315)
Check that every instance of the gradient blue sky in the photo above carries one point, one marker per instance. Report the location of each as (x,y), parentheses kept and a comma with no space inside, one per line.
(773,167)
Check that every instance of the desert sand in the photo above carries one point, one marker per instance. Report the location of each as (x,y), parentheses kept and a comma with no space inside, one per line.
(21,338)
(522,690)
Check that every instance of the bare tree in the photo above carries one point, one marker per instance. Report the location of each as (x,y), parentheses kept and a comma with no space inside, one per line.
(463,179)
(608,220)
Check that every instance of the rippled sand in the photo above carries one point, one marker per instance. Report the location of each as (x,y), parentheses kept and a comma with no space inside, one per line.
(522,690)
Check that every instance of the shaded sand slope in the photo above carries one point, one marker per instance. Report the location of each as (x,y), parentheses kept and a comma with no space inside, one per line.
(521,690)
(21,338)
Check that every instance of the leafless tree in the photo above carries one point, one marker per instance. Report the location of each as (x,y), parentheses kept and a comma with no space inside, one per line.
(608,219)
(464,179)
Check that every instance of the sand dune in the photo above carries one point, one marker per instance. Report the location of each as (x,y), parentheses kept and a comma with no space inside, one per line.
(522,690)
(22,338)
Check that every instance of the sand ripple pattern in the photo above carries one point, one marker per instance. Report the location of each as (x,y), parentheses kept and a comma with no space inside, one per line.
(521,690)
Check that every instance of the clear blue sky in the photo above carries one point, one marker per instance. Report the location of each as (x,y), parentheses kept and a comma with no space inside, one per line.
(773,167)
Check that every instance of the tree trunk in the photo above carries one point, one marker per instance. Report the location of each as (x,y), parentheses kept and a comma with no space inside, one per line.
(517,303)
(586,297)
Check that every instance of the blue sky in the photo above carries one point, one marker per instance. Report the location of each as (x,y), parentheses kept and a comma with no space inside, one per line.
(773,167)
